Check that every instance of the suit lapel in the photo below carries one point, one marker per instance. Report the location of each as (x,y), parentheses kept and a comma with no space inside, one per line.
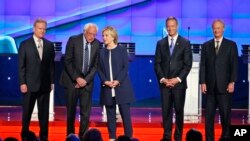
(212,48)
(34,49)
(222,46)
(45,48)
(176,46)
(80,48)
(93,47)
(167,47)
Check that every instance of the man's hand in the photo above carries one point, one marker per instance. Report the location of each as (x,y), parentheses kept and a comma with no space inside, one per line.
(204,88)
(230,87)
(81,82)
(77,86)
(168,83)
(24,88)
(174,81)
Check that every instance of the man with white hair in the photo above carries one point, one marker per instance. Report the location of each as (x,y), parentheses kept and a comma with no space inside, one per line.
(80,63)
(218,74)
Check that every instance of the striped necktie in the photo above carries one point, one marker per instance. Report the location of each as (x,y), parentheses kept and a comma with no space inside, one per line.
(85,59)
(40,48)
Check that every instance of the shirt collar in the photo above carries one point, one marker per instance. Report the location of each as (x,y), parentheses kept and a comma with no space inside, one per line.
(84,40)
(175,37)
(36,40)
(220,40)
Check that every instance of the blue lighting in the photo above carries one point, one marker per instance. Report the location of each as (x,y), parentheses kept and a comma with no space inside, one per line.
(76,14)
(7,45)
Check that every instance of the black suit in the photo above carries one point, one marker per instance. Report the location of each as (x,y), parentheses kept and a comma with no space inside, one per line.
(38,75)
(217,71)
(171,66)
(73,69)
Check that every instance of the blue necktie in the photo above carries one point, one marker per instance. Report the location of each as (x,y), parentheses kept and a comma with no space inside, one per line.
(85,59)
(171,47)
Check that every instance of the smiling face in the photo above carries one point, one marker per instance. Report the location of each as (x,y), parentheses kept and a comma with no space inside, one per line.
(110,36)
(218,29)
(107,37)
(172,27)
(39,29)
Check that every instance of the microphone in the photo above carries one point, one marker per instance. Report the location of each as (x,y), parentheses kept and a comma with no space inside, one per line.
(188,31)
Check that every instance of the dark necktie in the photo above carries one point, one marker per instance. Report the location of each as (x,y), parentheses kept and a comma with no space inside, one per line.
(85,59)
(171,47)
(217,46)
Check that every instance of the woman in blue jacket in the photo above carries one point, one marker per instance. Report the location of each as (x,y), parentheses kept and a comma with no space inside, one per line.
(116,87)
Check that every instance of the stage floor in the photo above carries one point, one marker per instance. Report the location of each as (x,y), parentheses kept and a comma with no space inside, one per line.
(147,123)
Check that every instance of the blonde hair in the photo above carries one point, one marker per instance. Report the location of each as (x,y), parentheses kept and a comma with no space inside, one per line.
(40,20)
(113,33)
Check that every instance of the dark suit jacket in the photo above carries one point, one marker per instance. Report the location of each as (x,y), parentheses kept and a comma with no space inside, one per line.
(220,69)
(124,92)
(73,62)
(37,74)
(176,65)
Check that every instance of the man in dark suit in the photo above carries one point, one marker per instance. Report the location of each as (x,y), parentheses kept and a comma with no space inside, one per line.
(173,61)
(80,62)
(36,75)
(218,73)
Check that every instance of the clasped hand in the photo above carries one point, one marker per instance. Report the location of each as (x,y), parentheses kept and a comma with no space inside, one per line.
(80,82)
(170,82)
(112,84)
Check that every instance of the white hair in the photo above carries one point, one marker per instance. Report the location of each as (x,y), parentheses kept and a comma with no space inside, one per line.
(86,26)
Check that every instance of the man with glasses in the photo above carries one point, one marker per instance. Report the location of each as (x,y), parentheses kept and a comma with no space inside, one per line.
(80,63)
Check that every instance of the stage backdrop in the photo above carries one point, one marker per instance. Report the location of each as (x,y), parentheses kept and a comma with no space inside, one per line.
(138,21)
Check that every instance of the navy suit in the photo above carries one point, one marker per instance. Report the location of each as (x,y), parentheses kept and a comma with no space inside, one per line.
(38,75)
(217,71)
(171,66)
(124,94)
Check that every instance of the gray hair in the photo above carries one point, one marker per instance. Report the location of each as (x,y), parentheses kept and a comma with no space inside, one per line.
(220,21)
(86,26)
(40,20)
